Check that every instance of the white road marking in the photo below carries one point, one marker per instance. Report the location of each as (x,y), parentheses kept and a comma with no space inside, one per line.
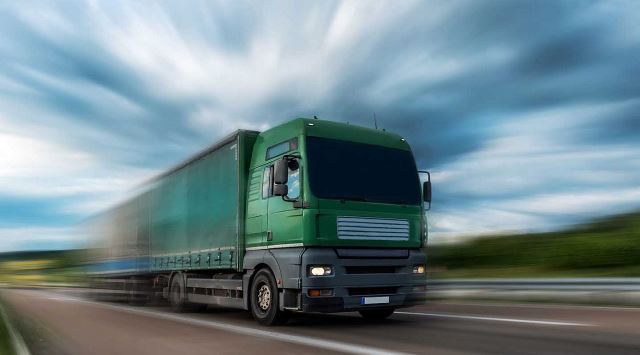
(64,299)
(272,335)
(546,306)
(497,319)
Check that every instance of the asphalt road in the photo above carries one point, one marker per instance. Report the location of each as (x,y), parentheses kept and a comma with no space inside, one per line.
(57,322)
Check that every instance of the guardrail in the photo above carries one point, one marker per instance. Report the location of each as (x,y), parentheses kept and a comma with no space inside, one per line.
(548,284)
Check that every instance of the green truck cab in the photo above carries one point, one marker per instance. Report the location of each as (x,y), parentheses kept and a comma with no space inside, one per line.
(308,216)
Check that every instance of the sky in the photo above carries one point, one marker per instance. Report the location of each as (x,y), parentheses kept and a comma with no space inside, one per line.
(526,112)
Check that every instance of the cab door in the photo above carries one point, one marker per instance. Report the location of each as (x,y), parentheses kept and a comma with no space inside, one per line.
(257,206)
(285,221)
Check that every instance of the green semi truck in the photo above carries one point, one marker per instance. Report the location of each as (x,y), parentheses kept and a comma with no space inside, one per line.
(308,216)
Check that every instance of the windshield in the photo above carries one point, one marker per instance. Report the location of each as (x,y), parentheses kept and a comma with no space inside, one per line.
(361,172)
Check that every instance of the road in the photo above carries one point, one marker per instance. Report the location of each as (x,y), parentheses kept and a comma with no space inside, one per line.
(63,323)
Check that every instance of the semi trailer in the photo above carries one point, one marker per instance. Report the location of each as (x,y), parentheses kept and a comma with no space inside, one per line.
(308,216)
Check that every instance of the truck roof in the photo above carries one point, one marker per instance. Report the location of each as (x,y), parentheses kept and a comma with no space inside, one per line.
(337,130)
(222,142)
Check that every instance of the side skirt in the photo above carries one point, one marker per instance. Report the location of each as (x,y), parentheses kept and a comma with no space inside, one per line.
(221,292)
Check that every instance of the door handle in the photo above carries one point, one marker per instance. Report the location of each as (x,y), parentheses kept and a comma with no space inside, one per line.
(269,236)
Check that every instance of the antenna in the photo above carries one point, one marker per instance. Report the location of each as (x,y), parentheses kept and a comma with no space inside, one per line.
(375,121)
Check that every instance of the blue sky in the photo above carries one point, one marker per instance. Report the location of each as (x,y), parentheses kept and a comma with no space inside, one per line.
(528,113)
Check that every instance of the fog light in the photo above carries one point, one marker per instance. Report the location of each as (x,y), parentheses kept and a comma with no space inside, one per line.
(418,269)
(320,270)
(320,292)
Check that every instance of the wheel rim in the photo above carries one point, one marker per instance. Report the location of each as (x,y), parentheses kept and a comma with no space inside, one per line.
(264,297)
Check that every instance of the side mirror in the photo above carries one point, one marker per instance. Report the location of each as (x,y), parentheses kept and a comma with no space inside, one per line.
(426,191)
(280,190)
(281,173)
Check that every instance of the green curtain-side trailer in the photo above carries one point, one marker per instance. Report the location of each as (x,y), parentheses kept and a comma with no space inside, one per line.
(196,211)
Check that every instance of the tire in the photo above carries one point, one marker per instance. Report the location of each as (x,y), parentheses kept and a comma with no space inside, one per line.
(178,297)
(264,301)
(134,297)
(376,314)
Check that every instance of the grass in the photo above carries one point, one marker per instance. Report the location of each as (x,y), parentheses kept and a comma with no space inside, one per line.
(6,345)
(40,267)
(609,247)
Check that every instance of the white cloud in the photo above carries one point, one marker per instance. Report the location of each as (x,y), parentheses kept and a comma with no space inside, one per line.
(454,225)
(35,166)
(38,238)
(589,202)
(533,175)
(211,68)
(25,156)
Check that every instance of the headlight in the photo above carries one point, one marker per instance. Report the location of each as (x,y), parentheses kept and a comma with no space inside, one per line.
(419,269)
(320,270)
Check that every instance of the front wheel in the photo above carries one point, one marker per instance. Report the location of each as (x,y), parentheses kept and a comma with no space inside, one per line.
(264,300)
(376,314)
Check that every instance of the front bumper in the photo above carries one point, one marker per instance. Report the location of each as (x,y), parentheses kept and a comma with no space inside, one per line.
(354,303)
(378,273)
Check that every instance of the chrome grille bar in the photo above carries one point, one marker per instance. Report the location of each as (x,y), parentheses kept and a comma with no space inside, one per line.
(370,228)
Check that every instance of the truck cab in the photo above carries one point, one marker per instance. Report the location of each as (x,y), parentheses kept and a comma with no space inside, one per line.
(335,213)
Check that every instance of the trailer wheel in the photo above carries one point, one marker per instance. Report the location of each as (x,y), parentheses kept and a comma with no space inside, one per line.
(265,307)
(135,292)
(376,314)
(178,297)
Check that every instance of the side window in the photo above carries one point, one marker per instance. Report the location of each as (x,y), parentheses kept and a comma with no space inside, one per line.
(266,182)
(294,183)
(281,148)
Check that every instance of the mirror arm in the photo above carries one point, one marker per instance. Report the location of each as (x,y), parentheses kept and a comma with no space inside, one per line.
(291,156)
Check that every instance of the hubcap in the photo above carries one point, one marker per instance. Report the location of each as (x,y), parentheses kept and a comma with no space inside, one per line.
(264,297)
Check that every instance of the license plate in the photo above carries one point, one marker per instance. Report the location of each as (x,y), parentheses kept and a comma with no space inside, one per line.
(374,300)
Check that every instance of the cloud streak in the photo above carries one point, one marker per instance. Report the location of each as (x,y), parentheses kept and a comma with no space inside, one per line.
(517,106)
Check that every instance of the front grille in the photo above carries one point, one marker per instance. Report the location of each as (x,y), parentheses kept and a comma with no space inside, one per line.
(370,269)
(368,228)
(367,291)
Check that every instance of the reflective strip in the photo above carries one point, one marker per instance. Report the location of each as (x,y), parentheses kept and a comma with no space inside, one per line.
(363,228)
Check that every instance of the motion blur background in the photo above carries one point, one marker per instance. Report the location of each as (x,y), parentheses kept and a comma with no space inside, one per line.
(525,112)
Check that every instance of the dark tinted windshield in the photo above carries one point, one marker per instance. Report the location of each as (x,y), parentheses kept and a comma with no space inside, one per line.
(361,172)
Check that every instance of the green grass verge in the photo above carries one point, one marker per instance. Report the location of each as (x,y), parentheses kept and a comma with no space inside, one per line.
(609,247)
(6,343)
